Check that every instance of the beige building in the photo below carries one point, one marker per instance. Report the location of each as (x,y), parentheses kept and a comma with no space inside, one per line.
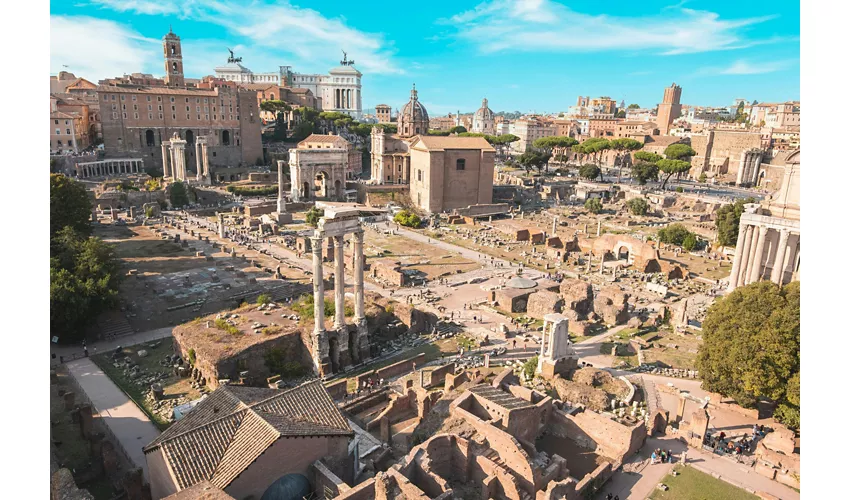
(528,130)
(768,244)
(139,120)
(670,108)
(66,133)
(450,172)
(384,113)
(727,155)
(296,98)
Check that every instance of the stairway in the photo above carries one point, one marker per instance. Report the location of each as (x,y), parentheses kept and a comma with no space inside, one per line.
(448,327)
(113,324)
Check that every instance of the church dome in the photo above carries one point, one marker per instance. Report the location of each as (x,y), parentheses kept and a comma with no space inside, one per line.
(484,112)
(483,121)
(413,119)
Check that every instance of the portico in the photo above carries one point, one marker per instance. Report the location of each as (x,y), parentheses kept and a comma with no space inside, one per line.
(768,248)
(104,168)
(339,348)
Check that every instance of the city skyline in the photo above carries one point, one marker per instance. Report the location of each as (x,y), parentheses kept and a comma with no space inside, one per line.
(533,56)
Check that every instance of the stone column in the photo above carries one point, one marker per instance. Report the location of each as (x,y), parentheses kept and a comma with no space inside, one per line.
(199,173)
(755,275)
(280,198)
(598,228)
(166,172)
(220,225)
(339,284)
(745,256)
(752,262)
(358,278)
(739,255)
(779,260)
(205,151)
(318,287)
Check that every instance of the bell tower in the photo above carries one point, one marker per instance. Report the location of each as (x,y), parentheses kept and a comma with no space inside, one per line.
(173,60)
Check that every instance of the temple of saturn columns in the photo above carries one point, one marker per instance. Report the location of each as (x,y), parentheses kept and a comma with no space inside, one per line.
(769,235)
(341,347)
(104,168)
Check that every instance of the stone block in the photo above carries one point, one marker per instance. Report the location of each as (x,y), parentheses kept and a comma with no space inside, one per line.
(542,303)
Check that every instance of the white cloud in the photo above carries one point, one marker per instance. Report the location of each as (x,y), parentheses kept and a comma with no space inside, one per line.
(98,48)
(139,6)
(282,30)
(544,25)
(743,67)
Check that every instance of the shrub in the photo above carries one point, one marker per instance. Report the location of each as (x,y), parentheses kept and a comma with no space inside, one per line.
(680,189)
(637,206)
(191,355)
(264,298)
(313,216)
(252,190)
(593,205)
(407,219)
(179,196)
(149,212)
(690,242)
(529,367)
(703,177)
(673,234)
(222,324)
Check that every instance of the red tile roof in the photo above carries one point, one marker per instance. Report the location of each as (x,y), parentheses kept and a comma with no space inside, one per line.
(234,425)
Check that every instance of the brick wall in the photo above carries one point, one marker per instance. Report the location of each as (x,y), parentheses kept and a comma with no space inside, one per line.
(438,376)
(597,432)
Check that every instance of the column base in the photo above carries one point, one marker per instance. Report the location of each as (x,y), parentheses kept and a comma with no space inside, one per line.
(362,339)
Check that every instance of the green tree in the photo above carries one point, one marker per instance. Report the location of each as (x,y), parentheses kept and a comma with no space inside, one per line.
(702,177)
(679,152)
(673,234)
(751,346)
(459,129)
(407,218)
(633,106)
(637,206)
(644,171)
(596,146)
(690,242)
(549,143)
(313,215)
(593,205)
(533,159)
(621,114)
(589,171)
(647,157)
(727,221)
(69,205)
(529,368)
(179,195)
(672,167)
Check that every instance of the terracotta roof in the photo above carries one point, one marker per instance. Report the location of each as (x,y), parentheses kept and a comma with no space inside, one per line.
(300,90)
(59,114)
(141,89)
(322,139)
(436,142)
(258,86)
(234,425)
(662,140)
(201,491)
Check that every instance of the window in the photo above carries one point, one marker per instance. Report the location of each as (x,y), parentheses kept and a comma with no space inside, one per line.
(159,99)
(419,175)
(160,116)
(113,97)
(114,115)
(187,99)
(187,108)
(69,143)
(160,107)
(56,122)
(135,107)
(172,99)
(58,132)
(134,98)
(66,122)
(197,109)
(150,116)
(461,164)
(136,115)
(122,97)
(150,108)
(173,108)
(173,116)
(68,131)
(59,143)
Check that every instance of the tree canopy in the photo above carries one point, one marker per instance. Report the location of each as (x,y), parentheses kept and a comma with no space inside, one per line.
(672,167)
(589,171)
(728,219)
(679,152)
(647,156)
(313,215)
(644,171)
(673,234)
(550,143)
(751,347)
(637,206)
(69,205)
(593,205)
(626,144)
(179,195)
(458,129)
(533,159)
(407,218)
(633,106)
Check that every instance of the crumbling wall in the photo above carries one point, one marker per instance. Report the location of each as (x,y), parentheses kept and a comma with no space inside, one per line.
(542,303)
(597,432)
(612,306)
(437,376)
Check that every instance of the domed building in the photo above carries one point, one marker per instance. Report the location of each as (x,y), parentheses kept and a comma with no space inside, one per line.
(413,119)
(484,121)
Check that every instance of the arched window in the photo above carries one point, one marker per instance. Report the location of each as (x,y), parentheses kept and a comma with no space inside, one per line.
(271,97)
(173,50)
(225,137)
(461,164)
(174,67)
(149,138)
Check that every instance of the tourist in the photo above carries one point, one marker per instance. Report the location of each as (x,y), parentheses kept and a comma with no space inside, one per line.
(685,456)
(609,496)
(654,458)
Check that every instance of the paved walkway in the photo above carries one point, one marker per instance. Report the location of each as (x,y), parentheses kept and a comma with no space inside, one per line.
(126,421)
(108,345)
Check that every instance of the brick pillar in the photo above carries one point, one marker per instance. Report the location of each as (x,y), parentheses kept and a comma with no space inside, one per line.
(68,398)
(86,421)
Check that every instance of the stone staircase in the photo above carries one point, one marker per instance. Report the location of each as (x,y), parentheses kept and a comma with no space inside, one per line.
(113,325)
(448,327)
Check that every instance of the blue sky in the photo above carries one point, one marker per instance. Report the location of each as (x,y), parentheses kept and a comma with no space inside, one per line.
(526,55)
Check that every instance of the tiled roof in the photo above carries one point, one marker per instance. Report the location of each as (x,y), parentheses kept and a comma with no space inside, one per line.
(662,140)
(60,114)
(200,491)
(234,425)
(322,139)
(143,89)
(435,142)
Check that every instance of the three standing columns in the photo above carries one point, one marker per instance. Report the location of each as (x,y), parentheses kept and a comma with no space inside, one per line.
(318,287)
(339,283)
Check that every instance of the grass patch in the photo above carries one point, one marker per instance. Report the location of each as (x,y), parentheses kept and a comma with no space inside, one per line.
(304,308)
(692,484)
(222,324)
(272,330)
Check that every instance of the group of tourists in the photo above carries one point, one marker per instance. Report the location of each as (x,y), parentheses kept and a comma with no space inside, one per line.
(661,456)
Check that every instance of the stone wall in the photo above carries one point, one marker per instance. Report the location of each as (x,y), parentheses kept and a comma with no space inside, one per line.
(388,271)
(338,389)
(598,432)
(437,376)
(542,303)
(393,370)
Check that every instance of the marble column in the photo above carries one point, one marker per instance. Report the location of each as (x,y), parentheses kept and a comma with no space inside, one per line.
(752,261)
(318,287)
(339,283)
(745,256)
(739,256)
(166,172)
(779,260)
(199,173)
(756,273)
(280,199)
(359,314)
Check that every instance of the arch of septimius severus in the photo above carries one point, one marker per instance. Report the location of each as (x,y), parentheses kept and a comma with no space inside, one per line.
(769,234)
